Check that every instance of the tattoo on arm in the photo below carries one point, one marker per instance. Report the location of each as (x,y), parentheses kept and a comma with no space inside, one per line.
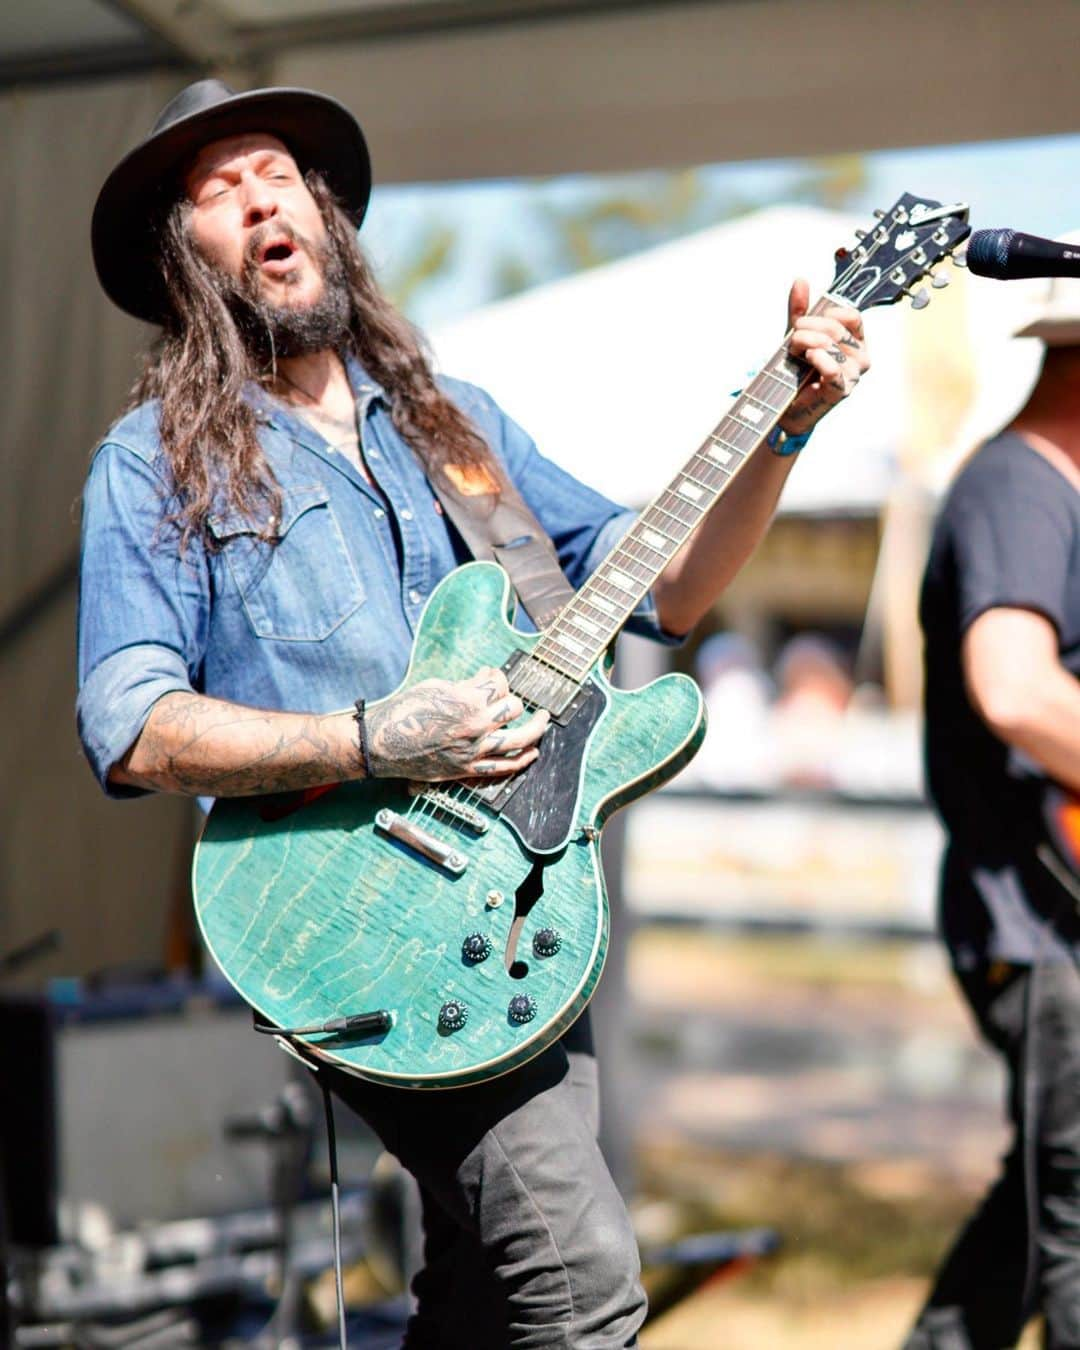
(195,745)
(421,734)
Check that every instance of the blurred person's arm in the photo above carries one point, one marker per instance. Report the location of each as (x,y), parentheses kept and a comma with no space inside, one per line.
(1020,689)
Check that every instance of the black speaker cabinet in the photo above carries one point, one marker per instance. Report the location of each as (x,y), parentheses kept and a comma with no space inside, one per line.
(117,1102)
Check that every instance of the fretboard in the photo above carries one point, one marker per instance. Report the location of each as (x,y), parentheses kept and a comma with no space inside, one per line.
(586,625)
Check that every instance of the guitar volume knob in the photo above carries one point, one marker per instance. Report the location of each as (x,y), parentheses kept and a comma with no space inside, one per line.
(453,1015)
(547,942)
(476,948)
(522,1009)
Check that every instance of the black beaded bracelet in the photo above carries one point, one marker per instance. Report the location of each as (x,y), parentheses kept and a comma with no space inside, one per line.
(362,738)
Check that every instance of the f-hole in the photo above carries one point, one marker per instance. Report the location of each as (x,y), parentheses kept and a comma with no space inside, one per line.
(526,895)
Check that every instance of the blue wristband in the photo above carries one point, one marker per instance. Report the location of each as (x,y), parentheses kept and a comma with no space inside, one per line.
(780,443)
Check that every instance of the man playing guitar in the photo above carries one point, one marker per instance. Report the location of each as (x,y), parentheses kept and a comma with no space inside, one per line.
(259,541)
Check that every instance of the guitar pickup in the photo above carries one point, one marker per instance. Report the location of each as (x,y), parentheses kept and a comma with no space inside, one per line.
(420,841)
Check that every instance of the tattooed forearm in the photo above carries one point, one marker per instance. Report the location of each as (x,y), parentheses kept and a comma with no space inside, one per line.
(200,746)
(438,729)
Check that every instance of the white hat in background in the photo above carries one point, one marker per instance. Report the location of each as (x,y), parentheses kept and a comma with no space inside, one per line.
(1056,317)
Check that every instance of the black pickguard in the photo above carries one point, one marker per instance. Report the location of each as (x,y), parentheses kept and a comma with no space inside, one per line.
(544,800)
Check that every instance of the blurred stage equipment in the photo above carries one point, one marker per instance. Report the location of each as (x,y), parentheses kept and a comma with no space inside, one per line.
(1008,255)
(11,963)
(177,1059)
(139,1212)
(124,1193)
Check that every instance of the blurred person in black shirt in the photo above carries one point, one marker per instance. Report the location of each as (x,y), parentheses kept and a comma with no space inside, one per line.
(1000,611)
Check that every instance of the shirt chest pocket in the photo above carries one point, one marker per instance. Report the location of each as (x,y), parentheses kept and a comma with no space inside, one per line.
(304,586)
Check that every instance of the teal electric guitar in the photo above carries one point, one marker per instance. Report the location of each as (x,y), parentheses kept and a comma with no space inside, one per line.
(437,935)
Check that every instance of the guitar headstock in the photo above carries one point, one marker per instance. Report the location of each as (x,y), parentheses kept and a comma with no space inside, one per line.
(898,252)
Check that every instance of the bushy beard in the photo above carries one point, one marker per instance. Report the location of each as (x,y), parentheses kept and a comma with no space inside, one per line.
(271,331)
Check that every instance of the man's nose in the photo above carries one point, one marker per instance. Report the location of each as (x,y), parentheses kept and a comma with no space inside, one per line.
(259,203)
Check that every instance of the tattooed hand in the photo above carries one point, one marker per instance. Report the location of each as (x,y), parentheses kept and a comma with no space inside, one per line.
(442,729)
(832,345)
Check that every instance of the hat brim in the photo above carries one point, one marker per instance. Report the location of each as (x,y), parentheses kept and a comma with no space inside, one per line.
(1063,332)
(320,134)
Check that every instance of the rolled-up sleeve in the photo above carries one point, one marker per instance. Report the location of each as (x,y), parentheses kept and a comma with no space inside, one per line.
(142,609)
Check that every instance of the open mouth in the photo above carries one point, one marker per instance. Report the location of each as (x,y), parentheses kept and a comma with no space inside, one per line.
(278,255)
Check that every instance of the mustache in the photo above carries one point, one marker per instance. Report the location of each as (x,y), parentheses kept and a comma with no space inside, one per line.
(274,230)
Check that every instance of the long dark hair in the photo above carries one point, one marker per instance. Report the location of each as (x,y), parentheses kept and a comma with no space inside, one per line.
(203,360)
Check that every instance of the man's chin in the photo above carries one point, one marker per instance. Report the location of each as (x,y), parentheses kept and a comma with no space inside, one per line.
(292,291)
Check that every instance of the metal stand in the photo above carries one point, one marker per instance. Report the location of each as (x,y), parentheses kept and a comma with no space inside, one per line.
(288,1126)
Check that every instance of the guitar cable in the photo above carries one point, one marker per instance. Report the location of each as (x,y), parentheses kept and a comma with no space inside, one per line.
(371,1023)
(335,1210)
(357,1024)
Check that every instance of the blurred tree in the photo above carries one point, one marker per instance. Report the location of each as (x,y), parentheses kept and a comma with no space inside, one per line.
(429,259)
(613,218)
(563,226)
(832,181)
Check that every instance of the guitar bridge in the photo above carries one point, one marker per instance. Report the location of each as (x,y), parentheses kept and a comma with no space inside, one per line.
(452,806)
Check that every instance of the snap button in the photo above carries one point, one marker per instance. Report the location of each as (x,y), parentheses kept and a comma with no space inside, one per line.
(406,514)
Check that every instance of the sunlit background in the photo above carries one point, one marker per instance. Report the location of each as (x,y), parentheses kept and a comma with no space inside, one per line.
(787,1069)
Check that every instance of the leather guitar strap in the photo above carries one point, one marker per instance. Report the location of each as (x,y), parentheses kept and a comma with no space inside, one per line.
(500,527)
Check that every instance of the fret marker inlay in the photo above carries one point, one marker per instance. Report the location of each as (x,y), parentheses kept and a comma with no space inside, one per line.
(689,490)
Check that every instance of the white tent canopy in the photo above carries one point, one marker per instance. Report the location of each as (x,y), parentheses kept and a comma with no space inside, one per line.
(619,372)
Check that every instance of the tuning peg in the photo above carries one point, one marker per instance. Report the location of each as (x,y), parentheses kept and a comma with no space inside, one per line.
(879,213)
(920,299)
(860,234)
(959,259)
(940,281)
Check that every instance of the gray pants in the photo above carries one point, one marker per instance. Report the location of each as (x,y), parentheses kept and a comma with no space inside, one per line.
(526,1239)
(1020,1252)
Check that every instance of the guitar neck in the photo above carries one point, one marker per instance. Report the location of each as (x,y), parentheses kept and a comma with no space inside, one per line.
(586,625)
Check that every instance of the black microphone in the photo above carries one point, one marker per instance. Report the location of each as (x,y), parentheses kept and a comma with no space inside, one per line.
(1008,255)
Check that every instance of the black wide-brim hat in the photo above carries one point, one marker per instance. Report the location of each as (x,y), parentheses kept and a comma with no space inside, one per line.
(319,132)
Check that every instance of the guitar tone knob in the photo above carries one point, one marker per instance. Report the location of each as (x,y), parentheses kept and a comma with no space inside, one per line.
(453,1015)
(476,948)
(547,942)
(522,1009)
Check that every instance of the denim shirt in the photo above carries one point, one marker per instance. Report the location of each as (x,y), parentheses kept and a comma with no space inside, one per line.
(326,615)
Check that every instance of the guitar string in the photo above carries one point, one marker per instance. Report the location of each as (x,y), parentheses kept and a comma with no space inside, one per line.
(529,688)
